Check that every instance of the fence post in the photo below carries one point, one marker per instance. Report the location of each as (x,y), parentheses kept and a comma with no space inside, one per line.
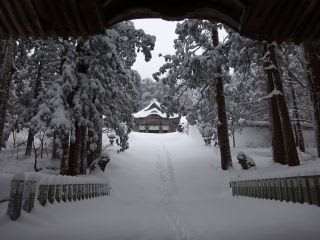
(70,188)
(314,190)
(79,192)
(96,190)
(108,189)
(64,194)
(74,192)
(247,184)
(90,191)
(43,194)
(51,193)
(317,181)
(305,190)
(86,191)
(232,188)
(290,190)
(273,189)
(263,189)
(29,194)
(241,188)
(295,189)
(58,192)
(298,190)
(16,193)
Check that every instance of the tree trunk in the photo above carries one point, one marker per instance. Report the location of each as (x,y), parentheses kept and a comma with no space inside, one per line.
(277,141)
(55,154)
(312,53)
(223,135)
(29,143)
(296,134)
(36,92)
(233,133)
(7,49)
(93,155)
(296,115)
(290,148)
(75,153)
(64,165)
(83,163)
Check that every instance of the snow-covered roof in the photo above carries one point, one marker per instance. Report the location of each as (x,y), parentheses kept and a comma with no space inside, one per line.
(156,109)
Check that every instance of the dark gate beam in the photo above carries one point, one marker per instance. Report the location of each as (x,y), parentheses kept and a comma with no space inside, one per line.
(21,12)
(34,17)
(10,29)
(13,17)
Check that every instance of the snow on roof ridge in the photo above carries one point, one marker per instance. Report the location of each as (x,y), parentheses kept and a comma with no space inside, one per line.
(150,104)
(147,111)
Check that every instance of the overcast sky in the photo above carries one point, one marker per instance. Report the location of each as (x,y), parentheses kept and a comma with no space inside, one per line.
(165,34)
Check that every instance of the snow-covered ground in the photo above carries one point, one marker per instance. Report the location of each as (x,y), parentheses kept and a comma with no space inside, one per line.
(170,186)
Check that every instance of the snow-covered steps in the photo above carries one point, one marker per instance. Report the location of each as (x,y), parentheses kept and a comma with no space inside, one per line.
(26,186)
(300,189)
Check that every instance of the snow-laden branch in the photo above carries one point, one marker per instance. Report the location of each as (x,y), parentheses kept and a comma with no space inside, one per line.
(274,93)
(270,67)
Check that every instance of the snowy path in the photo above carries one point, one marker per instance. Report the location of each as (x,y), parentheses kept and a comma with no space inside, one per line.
(181,229)
(167,187)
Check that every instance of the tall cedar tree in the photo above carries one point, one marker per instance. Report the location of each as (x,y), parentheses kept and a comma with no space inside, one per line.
(223,136)
(7,53)
(312,53)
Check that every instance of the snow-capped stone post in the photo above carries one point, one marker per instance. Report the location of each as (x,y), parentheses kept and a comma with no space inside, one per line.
(16,193)
(29,193)
(245,161)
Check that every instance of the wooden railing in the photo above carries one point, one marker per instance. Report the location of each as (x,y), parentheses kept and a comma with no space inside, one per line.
(25,188)
(300,189)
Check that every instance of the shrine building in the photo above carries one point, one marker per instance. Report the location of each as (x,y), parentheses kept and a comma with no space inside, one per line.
(154,119)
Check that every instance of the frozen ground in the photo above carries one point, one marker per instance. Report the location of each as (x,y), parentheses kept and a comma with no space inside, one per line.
(170,186)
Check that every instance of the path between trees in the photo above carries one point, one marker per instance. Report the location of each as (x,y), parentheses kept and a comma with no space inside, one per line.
(167,186)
